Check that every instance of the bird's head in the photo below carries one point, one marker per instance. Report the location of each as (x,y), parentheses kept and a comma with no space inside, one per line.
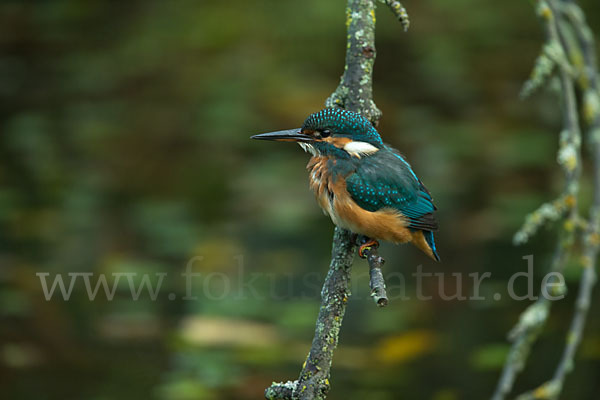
(332,132)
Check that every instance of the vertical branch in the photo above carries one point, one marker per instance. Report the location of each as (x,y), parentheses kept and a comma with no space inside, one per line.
(354,93)
(558,54)
(531,322)
(314,378)
(590,87)
(313,382)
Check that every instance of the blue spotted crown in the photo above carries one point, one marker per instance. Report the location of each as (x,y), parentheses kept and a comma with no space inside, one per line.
(343,123)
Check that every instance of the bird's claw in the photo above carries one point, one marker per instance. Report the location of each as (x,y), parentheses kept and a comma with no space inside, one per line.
(368,245)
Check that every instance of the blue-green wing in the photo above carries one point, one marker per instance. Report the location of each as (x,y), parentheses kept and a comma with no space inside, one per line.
(387,181)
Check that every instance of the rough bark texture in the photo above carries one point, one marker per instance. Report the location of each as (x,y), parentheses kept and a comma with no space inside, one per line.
(376,281)
(314,378)
(355,93)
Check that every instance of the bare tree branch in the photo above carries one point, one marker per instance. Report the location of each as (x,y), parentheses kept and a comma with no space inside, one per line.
(562,17)
(590,87)
(355,93)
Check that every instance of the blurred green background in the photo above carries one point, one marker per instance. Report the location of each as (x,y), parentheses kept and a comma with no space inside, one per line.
(124,148)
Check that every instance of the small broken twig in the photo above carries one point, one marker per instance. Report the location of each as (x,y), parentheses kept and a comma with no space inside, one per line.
(399,11)
(280,390)
(376,281)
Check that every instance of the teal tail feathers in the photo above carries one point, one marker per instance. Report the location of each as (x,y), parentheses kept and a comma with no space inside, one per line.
(428,235)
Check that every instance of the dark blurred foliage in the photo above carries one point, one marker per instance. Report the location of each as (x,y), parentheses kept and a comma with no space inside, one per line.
(124,148)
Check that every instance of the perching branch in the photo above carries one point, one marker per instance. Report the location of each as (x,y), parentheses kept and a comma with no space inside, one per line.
(313,382)
(564,21)
(355,93)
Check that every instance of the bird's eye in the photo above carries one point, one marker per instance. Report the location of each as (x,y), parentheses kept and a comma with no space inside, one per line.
(325,133)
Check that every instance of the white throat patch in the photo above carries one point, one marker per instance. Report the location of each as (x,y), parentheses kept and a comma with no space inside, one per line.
(309,148)
(359,149)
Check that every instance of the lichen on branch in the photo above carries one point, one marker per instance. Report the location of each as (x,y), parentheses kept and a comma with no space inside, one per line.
(569,40)
(354,93)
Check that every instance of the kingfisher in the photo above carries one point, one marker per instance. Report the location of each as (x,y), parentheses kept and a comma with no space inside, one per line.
(363,184)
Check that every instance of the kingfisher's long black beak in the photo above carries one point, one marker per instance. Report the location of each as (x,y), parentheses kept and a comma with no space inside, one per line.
(290,135)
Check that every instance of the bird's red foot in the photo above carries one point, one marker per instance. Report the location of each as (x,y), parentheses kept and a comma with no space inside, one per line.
(370,243)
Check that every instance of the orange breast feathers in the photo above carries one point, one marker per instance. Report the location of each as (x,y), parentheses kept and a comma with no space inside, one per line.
(386,224)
